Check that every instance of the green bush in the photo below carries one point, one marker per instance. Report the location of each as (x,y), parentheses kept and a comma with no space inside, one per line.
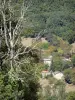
(57,64)
(45,46)
(70,96)
(73,60)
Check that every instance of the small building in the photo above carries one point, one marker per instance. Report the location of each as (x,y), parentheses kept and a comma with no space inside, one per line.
(48,61)
(66,59)
(45,73)
(58,75)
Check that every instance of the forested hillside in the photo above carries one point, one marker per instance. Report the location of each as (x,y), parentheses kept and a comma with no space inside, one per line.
(53,17)
(42,66)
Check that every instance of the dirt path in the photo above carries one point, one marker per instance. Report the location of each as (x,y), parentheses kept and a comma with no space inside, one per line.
(44,82)
(70,88)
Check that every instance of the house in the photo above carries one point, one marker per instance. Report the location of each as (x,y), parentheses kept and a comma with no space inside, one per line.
(48,61)
(58,75)
(45,73)
(66,59)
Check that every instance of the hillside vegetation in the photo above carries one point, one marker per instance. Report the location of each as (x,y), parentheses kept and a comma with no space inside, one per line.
(53,17)
(37,50)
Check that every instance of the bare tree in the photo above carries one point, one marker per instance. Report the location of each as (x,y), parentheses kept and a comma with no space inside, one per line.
(12,35)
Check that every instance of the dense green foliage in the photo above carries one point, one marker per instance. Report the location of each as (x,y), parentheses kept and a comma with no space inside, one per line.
(70,96)
(20,83)
(49,18)
(45,45)
(57,64)
(55,17)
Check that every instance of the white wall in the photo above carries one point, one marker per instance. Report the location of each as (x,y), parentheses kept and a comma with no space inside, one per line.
(58,75)
(47,62)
